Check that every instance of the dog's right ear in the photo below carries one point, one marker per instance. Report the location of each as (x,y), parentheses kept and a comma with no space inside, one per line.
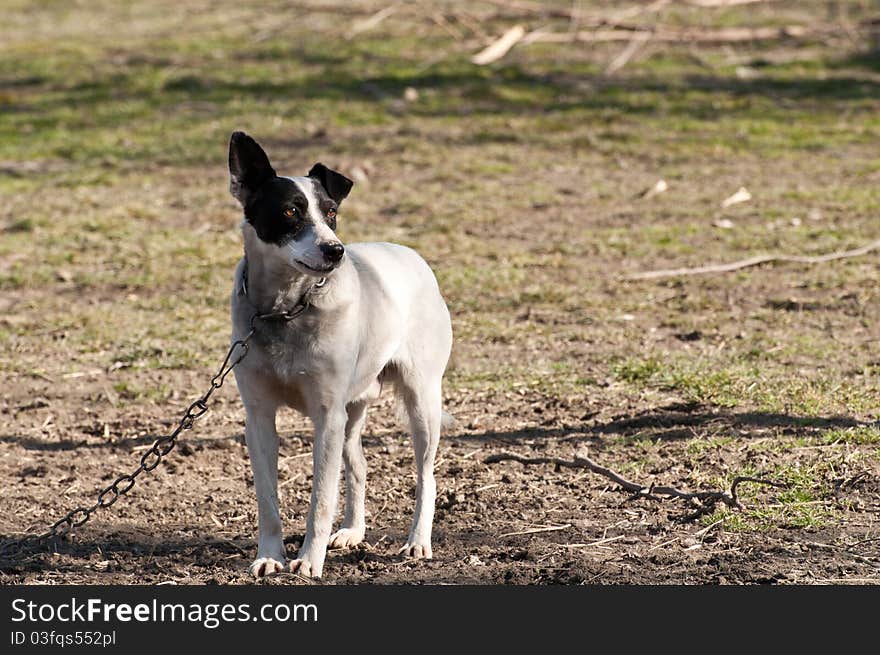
(249,167)
(335,184)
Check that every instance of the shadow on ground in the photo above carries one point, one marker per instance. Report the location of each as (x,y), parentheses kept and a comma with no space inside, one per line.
(127,444)
(679,421)
(513,89)
(79,556)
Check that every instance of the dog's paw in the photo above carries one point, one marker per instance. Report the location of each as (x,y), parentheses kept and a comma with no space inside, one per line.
(304,568)
(417,551)
(264,566)
(346,538)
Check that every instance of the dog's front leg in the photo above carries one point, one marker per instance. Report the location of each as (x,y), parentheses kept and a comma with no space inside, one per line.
(327,463)
(262,443)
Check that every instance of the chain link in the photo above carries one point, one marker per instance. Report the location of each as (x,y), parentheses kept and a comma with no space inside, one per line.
(160,448)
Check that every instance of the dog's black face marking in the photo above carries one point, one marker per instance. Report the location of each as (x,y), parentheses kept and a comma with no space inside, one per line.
(280,211)
(279,208)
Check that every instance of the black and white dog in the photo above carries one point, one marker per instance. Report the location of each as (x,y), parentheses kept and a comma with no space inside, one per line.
(363,314)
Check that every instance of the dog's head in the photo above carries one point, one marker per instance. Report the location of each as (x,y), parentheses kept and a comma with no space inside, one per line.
(295,214)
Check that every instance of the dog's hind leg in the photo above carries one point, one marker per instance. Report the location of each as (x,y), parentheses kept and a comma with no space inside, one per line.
(262,443)
(423,404)
(351,532)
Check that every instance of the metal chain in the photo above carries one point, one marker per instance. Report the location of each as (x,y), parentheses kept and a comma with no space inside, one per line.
(160,448)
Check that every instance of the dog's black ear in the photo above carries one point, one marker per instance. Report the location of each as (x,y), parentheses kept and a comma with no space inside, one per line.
(335,184)
(249,167)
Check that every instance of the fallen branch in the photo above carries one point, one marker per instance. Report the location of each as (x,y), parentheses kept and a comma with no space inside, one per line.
(714,4)
(639,39)
(686,35)
(500,47)
(702,501)
(532,8)
(539,9)
(756,261)
(632,12)
(337,8)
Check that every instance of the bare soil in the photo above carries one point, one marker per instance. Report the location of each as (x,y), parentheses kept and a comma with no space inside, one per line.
(193,520)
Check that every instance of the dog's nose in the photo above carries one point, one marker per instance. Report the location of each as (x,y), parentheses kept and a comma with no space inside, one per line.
(332,251)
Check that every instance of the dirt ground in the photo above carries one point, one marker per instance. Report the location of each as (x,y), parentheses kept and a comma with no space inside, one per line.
(193,520)
(522,183)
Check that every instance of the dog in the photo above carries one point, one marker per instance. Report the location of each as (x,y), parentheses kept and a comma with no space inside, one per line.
(356,317)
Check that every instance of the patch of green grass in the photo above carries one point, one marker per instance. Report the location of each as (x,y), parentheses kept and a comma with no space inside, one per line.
(716,387)
(697,447)
(861,436)
(747,378)
(804,503)
(691,379)
(133,393)
(638,371)
(792,515)
(732,521)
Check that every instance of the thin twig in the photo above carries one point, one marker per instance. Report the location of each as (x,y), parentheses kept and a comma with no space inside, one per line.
(843,483)
(700,534)
(472,22)
(551,528)
(745,478)
(600,542)
(450,29)
(372,21)
(756,261)
(638,40)
(702,501)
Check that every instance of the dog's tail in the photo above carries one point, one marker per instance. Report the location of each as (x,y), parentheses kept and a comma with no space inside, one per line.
(447,420)
(392,375)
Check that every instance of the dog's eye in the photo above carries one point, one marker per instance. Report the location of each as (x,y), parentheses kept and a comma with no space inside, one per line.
(291,212)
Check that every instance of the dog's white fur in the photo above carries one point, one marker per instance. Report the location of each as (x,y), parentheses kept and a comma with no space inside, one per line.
(379,317)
